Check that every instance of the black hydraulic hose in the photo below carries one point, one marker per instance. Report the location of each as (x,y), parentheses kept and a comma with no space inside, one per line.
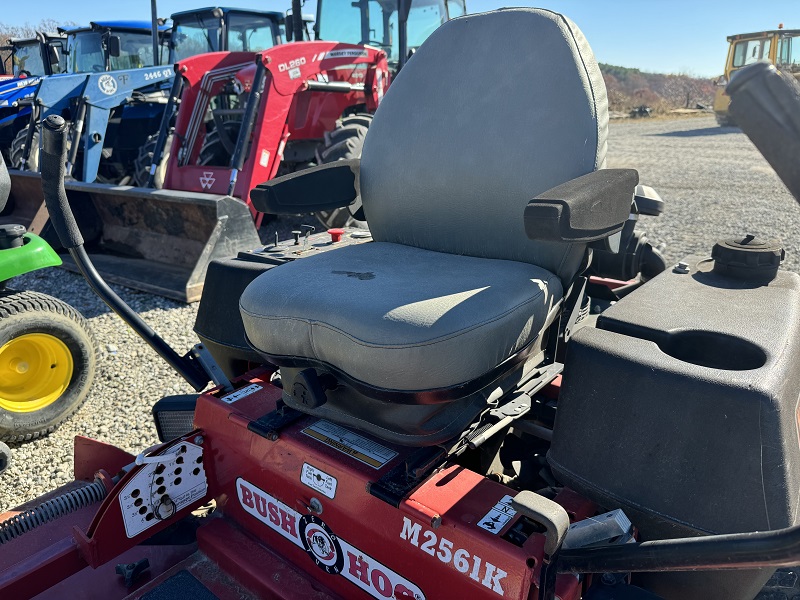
(55,196)
(250,113)
(154,32)
(778,548)
(26,151)
(51,509)
(297,20)
(77,131)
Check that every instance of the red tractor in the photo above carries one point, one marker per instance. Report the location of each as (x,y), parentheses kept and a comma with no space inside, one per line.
(268,112)
(431,412)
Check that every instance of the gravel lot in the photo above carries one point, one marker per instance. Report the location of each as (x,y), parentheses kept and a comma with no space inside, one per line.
(713,180)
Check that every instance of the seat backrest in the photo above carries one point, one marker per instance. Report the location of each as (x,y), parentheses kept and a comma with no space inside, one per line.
(491,110)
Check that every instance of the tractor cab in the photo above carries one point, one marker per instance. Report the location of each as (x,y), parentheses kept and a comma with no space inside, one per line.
(223,30)
(35,57)
(396,26)
(776,46)
(113,46)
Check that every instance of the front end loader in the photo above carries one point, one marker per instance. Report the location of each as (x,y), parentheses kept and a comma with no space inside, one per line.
(404,421)
(162,241)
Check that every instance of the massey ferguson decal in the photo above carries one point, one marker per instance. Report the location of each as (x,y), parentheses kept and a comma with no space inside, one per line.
(329,552)
(207,179)
(471,565)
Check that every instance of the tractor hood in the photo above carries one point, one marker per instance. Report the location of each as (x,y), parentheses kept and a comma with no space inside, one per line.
(15,89)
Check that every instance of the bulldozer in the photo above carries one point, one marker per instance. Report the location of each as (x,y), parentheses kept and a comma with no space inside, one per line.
(429,415)
(775,46)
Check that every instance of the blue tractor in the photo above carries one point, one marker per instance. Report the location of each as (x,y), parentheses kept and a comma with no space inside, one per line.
(27,61)
(113,94)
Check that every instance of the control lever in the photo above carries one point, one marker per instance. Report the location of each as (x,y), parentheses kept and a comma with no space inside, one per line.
(53,160)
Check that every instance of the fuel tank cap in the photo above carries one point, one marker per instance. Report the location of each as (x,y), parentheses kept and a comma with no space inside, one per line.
(748,258)
(11,236)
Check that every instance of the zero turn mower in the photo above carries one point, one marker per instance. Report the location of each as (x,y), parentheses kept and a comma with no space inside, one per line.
(429,412)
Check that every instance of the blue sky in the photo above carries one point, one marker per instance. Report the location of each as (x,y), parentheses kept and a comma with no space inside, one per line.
(654,35)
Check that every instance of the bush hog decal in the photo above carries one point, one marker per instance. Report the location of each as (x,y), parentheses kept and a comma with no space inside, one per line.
(470,565)
(329,552)
(345,441)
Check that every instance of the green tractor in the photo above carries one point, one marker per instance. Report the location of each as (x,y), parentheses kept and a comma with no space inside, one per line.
(47,352)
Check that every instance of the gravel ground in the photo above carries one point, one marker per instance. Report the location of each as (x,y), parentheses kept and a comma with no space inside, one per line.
(714,182)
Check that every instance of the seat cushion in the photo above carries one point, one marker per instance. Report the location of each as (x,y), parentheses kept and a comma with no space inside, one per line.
(399,317)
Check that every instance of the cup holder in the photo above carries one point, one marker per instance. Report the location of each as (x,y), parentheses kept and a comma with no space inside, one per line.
(713,350)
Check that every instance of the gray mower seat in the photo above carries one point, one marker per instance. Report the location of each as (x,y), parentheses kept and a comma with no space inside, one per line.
(399,317)
(492,110)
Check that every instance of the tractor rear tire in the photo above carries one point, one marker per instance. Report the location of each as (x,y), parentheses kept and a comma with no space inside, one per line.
(344,142)
(5,457)
(213,152)
(18,150)
(141,171)
(48,359)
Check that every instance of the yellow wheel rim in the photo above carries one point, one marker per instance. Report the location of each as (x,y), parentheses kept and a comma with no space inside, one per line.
(35,369)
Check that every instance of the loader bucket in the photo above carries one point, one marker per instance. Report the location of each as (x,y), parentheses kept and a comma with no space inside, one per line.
(158,241)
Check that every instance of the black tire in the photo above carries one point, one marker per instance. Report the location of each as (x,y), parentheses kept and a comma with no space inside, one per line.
(5,457)
(24,313)
(213,152)
(141,169)
(18,149)
(344,142)
(726,121)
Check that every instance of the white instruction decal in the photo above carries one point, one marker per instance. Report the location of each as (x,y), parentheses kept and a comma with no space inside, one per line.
(345,441)
(160,489)
(500,514)
(241,393)
(318,480)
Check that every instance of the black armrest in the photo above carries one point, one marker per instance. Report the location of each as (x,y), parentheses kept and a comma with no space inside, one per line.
(319,188)
(585,209)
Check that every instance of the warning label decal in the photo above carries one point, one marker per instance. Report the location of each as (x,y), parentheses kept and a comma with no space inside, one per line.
(345,441)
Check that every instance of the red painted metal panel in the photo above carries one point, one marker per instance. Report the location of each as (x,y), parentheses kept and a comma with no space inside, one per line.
(285,110)
(259,486)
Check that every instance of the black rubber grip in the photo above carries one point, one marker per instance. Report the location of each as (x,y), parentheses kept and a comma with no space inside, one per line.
(54,155)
